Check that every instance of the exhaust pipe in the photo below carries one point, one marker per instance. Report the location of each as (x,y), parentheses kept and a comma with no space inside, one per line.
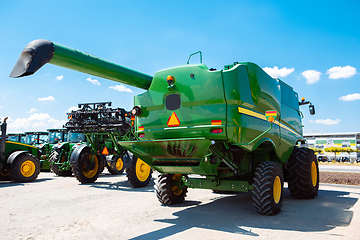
(3,139)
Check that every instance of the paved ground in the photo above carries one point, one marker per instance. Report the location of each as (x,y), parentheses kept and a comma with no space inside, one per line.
(61,208)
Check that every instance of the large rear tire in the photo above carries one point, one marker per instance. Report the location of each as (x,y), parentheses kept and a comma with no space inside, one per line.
(88,168)
(25,168)
(268,188)
(116,165)
(54,159)
(168,189)
(139,175)
(303,173)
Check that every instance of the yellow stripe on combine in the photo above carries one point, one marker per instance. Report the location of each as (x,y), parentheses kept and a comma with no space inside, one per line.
(21,144)
(262,117)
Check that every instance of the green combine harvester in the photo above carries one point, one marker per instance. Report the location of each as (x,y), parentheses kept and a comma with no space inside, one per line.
(18,161)
(238,128)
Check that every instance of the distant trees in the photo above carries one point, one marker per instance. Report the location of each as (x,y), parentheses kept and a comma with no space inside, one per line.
(317,150)
(336,150)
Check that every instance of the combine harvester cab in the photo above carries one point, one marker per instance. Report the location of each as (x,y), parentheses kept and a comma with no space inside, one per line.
(237,127)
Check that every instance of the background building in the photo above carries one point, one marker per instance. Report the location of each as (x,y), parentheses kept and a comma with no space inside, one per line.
(316,139)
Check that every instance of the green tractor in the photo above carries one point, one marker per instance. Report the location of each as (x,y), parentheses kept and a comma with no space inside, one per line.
(39,139)
(238,128)
(16,137)
(61,153)
(54,136)
(18,161)
(104,127)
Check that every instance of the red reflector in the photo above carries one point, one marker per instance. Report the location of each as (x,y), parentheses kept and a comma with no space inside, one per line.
(142,135)
(218,130)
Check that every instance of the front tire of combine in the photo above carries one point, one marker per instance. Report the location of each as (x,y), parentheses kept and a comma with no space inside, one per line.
(303,173)
(54,159)
(116,167)
(139,175)
(88,168)
(169,189)
(25,168)
(268,188)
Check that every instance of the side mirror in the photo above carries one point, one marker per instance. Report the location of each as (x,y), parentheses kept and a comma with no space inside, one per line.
(312,109)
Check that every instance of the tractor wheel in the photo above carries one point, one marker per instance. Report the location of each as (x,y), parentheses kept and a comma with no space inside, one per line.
(303,173)
(116,167)
(168,189)
(88,168)
(25,168)
(54,158)
(139,174)
(268,188)
(5,176)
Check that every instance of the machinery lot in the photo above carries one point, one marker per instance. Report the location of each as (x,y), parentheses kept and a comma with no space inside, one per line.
(61,208)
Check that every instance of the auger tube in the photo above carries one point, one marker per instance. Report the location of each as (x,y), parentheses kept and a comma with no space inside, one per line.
(39,52)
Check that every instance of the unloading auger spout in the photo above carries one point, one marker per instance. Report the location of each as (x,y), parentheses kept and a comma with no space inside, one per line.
(39,52)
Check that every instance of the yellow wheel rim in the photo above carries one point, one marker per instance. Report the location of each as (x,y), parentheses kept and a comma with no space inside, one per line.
(314,173)
(277,190)
(175,189)
(142,170)
(92,173)
(119,164)
(27,168)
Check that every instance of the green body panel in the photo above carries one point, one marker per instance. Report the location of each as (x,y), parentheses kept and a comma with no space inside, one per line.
(170,155)
(221,185)
(86,63)
(11,147)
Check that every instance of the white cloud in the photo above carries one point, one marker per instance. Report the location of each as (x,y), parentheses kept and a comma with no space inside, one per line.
(36,122)
(341,72)
(49,98)
(326,121)
(275,72)
(72,108)
(60,77)
(121,88)
(311,76)
(31,110)
(350,97)
(93,81)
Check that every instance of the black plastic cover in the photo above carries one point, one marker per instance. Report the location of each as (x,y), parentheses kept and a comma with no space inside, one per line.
(172,102)
(35,55)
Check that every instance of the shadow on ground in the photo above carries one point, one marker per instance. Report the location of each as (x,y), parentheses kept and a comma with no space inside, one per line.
(122,186)
(14,184)
(235,214)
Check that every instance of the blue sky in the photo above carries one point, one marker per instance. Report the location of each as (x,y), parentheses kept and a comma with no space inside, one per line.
(313,46)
